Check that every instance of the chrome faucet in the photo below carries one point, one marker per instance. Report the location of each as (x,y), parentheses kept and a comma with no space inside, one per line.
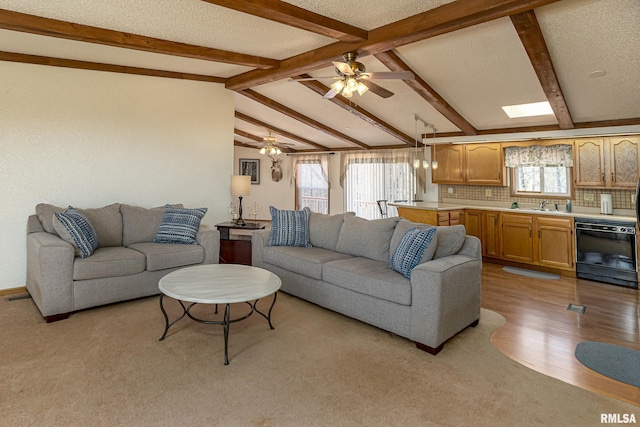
(543,204)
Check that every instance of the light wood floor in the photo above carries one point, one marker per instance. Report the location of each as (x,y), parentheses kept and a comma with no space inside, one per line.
(542,334)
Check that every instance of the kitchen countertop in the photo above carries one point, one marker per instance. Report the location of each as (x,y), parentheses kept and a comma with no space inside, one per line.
(623,215)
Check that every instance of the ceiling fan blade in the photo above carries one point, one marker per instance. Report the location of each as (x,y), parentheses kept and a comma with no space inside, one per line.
(344,68)
(378,90)
(332,93)
(304,79)
(389,75)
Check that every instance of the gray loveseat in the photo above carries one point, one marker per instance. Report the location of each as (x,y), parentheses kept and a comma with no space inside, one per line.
(348,271)
(126,265)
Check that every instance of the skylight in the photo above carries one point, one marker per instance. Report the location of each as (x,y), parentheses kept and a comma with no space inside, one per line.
(528,110)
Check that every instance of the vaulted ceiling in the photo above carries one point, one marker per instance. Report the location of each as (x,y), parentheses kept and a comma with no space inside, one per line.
(469,58)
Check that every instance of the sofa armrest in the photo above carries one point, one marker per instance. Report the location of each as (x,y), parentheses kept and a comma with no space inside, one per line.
(259,240)
(471,247)
(445,297)
(50,273)
(209,239)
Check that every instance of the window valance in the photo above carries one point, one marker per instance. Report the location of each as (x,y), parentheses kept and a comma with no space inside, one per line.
(321,159)
(539,155)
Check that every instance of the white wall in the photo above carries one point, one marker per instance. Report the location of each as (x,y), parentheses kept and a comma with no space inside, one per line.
(281,194)
(88,139)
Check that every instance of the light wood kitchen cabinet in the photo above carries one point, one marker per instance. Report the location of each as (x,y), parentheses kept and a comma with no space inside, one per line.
(484,164)
(607,162)
(433,217)
(450,160)
(517,237)
(625,161)
(473,164)
(452,217)
(491,236)
(538,239)
(554,241)
(473,223)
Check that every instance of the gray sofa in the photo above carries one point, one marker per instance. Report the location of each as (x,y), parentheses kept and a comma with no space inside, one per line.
(126,265)
(347,270)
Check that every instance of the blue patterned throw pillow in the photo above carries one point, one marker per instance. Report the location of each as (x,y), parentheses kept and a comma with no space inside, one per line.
(410,250)
(289,228)
(179,225)
(81,233)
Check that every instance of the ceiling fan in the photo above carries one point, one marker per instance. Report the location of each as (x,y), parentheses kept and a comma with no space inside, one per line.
(353,77)
(272,147)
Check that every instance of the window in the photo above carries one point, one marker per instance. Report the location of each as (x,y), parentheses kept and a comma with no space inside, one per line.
(312,188)
(372,176)
(542,180)
(540,170)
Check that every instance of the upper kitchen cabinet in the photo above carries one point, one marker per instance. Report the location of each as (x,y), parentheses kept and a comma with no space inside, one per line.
(607,162)
(484,164)
(625,162)
(450,160)
(473,164)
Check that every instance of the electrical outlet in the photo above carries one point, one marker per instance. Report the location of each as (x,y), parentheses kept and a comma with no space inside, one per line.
(450,190)
(487,192)
(633,198)
(588,197)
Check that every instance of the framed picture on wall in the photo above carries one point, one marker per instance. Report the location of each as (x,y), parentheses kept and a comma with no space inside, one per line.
(251,167)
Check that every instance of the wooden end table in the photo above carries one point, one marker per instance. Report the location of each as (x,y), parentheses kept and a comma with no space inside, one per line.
(236,248)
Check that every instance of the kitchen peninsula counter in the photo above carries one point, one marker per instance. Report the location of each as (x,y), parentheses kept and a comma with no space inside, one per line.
(430,212)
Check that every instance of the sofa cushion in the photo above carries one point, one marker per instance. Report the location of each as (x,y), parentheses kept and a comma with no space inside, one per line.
(179,225)
(450,240)
(73,227)
(140,224)
(369,277)
(367,238)
(289,228)
(411,249)
(402,227)
(162,255)
(45,213)
(305,261)
(107,222)
(109,262)
(324,230)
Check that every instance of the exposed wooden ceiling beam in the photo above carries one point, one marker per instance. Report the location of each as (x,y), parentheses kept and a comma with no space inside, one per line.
(22,22)
(268,102)
(444,19)
(247,135)
(528,29)
(288,14)
(242,144)
(359,112)
(278,131)
(392,61)
(96,66)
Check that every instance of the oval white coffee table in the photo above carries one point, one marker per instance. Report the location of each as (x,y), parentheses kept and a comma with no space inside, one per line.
(218,284)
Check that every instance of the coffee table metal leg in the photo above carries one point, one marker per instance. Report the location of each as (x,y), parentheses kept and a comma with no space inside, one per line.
(227,312)
(267,316)
(167,325)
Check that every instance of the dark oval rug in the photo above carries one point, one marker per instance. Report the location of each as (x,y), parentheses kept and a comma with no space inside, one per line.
(620,363)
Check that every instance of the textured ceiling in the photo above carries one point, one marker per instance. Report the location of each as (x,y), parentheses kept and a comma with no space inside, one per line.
(476,69)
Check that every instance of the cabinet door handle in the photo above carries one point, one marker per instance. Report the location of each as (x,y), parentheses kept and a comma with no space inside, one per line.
(603,177)
(539,236)
(612,178)
(530,233)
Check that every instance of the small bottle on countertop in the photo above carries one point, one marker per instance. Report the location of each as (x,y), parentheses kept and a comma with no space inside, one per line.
(568,207)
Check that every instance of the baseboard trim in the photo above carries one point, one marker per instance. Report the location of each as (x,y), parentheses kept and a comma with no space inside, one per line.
(11,291)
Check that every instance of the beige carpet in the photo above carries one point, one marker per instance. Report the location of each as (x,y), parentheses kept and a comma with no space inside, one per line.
(106,367)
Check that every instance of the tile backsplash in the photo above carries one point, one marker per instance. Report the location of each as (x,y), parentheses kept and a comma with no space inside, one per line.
(621,198)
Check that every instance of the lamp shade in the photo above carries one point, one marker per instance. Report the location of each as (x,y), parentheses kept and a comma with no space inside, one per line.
(240,185)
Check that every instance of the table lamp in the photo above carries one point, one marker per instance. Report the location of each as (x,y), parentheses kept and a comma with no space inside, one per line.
(240,186)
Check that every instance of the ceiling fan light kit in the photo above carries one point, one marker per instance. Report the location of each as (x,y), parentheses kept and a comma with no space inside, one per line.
(352,77)
(270,146)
